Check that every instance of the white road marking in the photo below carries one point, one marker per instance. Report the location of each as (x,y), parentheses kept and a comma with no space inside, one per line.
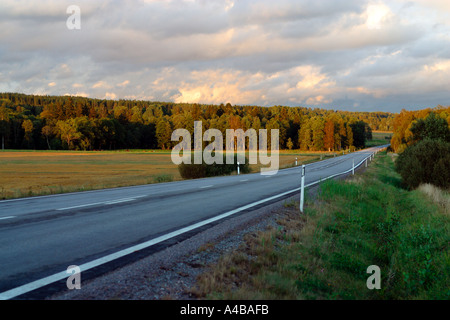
(206,187)
(4,218)
(119,201)
(244,180)
(80,206)
(104,202)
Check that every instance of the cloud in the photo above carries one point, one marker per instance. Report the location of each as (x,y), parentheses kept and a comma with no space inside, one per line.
(123,84)
(376,55)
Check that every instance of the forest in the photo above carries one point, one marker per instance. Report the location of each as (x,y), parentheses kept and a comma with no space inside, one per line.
(407,122)
(77,123)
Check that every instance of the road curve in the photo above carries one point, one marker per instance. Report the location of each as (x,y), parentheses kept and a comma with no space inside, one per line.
(41,236)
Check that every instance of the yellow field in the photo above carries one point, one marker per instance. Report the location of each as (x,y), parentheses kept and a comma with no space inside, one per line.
(31,173)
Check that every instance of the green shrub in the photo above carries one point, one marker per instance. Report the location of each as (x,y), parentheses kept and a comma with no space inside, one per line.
(428,161)
(162,178)
(195,171)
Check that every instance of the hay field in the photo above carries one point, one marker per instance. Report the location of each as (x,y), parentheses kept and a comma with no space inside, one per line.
(31,173)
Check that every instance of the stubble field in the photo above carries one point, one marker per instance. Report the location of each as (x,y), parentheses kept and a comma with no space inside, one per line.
(32,173)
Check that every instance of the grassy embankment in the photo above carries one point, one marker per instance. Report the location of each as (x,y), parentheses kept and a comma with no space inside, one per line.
(32,173)
(365,220)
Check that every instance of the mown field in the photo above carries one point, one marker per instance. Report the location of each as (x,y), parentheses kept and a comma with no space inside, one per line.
(379,138)
(366,220)
(31,173)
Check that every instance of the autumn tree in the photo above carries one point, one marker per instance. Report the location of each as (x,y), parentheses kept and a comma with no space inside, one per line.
(28,127)
(329,135)
(349,134)
(289,144)
(47,131)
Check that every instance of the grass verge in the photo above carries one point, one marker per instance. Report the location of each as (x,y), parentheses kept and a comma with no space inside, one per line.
(324,254)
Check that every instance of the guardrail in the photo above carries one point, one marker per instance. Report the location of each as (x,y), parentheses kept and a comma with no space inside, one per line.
(352,170)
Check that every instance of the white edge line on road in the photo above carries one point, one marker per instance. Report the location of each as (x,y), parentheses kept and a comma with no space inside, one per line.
(10,217)
(206,187)
(108,258)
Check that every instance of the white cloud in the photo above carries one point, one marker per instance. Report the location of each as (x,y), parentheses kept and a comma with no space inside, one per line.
(377,14)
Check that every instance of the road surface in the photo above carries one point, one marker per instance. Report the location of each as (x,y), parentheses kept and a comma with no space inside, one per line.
(41,237)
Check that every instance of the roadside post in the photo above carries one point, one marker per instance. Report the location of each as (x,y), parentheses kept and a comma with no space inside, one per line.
(353,167)
(238,168)
(302,191)
(296,161)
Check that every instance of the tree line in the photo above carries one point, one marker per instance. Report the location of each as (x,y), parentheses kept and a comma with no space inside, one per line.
(79,123)
(422,139)
(411,126)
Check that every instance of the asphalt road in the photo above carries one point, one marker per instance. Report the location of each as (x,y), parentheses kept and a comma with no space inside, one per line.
(42,236)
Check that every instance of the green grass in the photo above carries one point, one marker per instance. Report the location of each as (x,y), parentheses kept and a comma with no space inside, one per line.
(379,139)
(324,254)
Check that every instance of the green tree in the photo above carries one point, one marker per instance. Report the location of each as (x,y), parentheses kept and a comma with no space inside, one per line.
(427,161)
(318,134)
(68,131)
(432,127)
(163,133)
(305,136)
(358,129)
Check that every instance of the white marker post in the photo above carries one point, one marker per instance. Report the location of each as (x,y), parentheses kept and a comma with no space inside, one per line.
(302,191)
(353,167)
(295,161)
(238,168)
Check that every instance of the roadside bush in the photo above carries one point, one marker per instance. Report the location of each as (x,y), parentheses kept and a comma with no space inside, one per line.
(195,171)
(428,161)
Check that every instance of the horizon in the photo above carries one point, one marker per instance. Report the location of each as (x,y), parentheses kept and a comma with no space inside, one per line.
(216,104)
(357,56)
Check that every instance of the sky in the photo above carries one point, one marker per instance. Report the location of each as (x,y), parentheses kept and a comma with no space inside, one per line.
(356,55)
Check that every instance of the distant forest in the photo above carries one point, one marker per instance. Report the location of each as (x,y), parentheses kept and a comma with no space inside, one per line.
(78,123)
